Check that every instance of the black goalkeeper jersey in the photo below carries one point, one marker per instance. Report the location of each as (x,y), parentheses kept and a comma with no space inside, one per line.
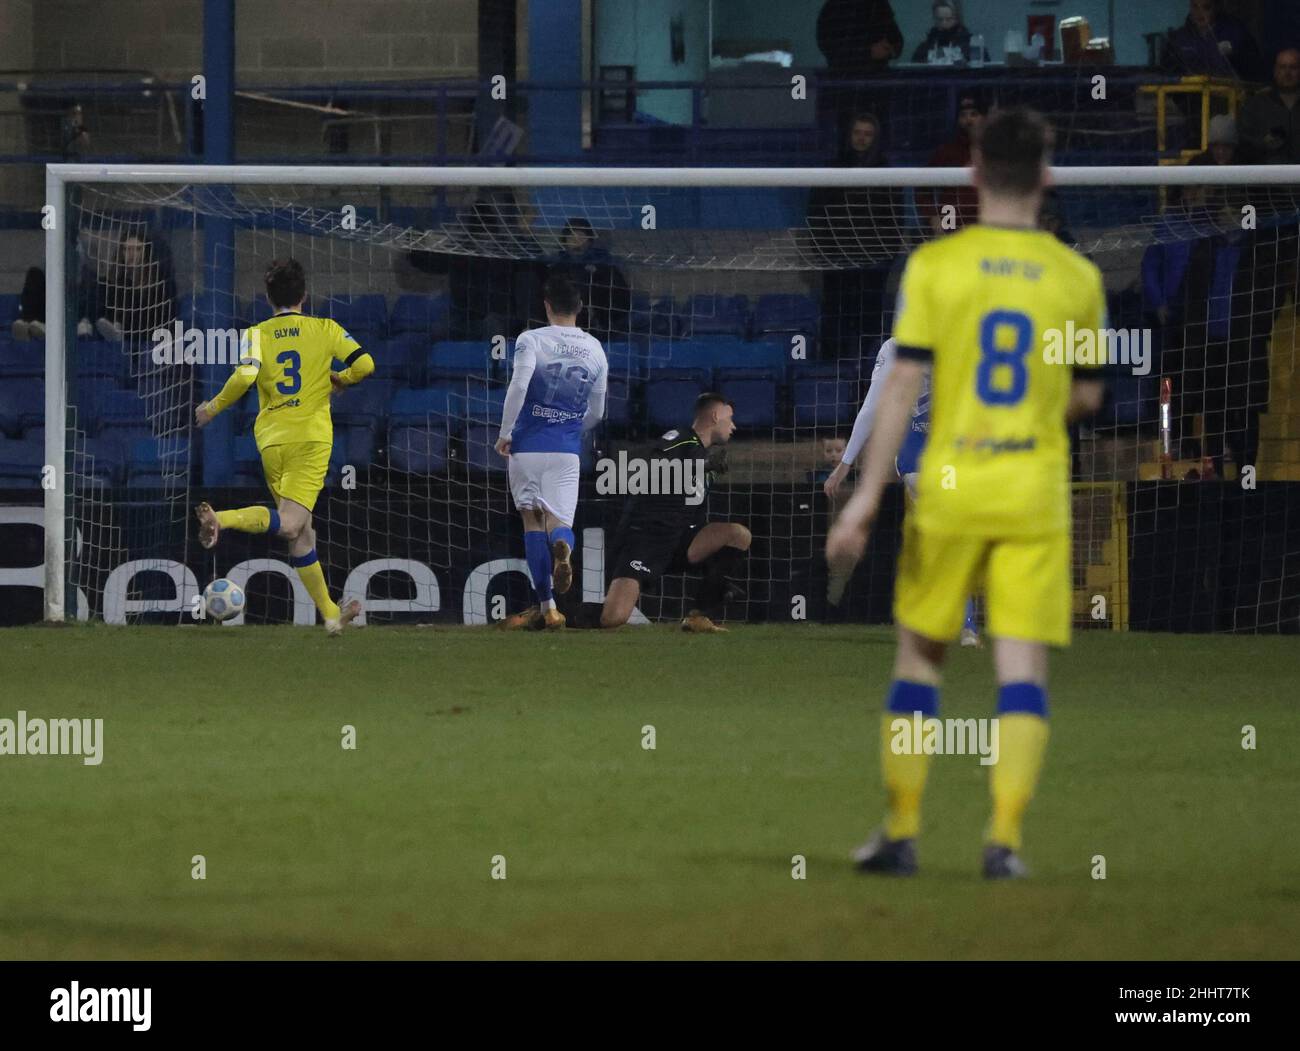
(672,512)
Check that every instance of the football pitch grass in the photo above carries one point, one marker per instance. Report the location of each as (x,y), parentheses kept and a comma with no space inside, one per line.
(474,745)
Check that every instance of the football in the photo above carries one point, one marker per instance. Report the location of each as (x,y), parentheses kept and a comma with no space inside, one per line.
(223,599)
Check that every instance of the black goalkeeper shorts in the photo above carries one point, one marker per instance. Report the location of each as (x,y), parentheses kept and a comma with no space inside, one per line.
(645,552)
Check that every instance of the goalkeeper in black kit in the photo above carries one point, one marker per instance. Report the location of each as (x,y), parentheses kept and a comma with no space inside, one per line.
(667,532)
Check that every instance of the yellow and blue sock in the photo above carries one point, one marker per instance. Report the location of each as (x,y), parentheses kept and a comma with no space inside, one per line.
(250,520)
(310,573)
(538,554)
(904,773)
(1022,743)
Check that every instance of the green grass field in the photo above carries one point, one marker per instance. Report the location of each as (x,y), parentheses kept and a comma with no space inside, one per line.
(472,743)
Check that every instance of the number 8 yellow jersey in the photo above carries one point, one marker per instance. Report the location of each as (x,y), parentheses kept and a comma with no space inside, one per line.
(980,305)
(294,352)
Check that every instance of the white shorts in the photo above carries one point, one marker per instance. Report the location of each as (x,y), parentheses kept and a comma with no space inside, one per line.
(545,481)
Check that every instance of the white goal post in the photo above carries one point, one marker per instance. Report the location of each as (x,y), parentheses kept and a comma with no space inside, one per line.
(58,269)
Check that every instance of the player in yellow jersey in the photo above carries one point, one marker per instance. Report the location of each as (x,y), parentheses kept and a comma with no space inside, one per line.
(992,510)
(289,358)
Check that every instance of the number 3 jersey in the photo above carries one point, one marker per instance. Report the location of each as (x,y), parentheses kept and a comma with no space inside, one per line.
(293,353)
(982,305)
(567,366)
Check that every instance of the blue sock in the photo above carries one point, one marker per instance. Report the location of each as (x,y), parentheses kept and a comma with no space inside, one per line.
(563,532)
(970,616)
(538,553)
(1022,697)
(908,697)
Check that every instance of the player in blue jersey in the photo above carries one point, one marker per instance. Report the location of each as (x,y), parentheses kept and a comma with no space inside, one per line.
(907,464)
(557,392)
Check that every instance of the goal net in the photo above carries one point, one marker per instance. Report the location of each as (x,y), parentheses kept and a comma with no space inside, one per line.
(774,287)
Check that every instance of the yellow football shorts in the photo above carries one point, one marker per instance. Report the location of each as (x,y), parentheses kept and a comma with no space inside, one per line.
(296,471)
(1025,581)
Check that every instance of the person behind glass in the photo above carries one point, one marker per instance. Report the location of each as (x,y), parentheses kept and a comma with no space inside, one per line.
(1213,43)
(947,31)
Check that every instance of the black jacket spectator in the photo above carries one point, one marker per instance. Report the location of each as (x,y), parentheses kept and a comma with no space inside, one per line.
(858,36)
(1270,121)
(605,294)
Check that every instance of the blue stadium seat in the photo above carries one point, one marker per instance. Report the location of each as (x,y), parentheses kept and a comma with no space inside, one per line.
(110,404)
(400,360)
(424,315)
(754,394)
(670,396)
(145,467)
(784,312)
(418,449)
(1129,401)
(484,404)
(719,354)
(99,359)
(355,444)
(824,396)
(418,406)
(10,306)
(21,360)
(104,461)
(246,454)
(480,452)
(619,404)
(364,404)
(21,460)
(364,316)
(625,359)
(453,358)
(664,318)
(22,405)
(715,315)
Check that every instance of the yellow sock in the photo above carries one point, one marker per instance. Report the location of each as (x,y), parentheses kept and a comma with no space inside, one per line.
(1022,743)
(311,575)
(246,519)
(904,773)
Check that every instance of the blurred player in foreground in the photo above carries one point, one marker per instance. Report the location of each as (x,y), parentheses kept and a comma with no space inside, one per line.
(993,492)
(557,392)
(905,464)
(288,356)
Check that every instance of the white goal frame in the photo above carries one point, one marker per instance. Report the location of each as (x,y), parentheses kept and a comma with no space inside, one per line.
(58,177)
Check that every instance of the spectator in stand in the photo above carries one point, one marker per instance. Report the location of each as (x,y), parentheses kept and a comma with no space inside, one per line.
(30,323)
(1052,219)
(133,295)
(1213,43)
(947,31)
(858,233)
(591,267)
(1270,121)
(858,36)
(944,211)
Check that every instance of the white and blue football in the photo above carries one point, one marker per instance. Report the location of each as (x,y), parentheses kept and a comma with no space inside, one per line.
(223,599)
